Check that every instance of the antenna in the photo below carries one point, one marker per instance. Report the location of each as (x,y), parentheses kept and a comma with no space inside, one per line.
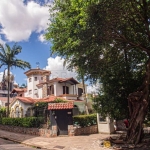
(37,65)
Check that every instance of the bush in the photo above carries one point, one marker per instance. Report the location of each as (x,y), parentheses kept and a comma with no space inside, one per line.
(23,122)
(85,120)
(2,112)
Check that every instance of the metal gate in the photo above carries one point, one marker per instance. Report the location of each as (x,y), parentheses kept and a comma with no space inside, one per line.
(62,122)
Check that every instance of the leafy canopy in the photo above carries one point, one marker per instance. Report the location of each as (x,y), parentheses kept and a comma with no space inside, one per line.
(107,40)
(8,57)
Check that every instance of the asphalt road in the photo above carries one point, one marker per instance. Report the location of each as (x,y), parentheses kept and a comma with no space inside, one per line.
(9,145)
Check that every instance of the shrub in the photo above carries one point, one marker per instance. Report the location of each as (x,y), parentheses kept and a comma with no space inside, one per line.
(2,112)
(85,120)
(23,122)
(59,100)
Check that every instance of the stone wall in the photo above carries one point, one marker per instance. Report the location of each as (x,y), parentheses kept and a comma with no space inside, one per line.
(71,130)
(50,132)
(86,130)
(31,131)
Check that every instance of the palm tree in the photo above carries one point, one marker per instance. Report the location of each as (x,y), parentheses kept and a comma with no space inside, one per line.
(8,59)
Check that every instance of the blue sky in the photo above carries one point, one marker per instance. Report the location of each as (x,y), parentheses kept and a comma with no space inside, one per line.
(25,22)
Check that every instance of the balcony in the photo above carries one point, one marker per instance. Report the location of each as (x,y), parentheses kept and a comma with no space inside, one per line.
(69,96)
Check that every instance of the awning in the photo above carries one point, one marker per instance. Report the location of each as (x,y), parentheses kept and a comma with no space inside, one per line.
(68,105)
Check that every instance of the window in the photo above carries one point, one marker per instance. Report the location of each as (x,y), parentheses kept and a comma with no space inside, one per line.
(17,112)
(35,78)
(30,91)
(30,79)
(65,90)
(51,90)
(35,91)
(80,91)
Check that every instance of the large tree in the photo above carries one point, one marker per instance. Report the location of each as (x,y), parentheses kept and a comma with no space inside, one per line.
(8,59)
(118,81)
(87,30)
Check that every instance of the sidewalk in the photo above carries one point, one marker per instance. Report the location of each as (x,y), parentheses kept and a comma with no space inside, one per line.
(89,142)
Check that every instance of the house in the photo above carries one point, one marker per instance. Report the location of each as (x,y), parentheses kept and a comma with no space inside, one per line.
(40,88)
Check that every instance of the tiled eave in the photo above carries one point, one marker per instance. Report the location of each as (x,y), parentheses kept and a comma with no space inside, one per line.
(36,71)
(56,106)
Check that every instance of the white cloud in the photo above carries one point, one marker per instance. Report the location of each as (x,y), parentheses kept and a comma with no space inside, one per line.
(18,20)
(2,73)
(41,38)
(94,88)
(55,65)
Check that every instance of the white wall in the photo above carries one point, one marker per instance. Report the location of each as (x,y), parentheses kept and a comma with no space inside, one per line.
(32,86)
(2,104)
(40,92)
(105,126)
(21,104)
(80,105)
(59,88)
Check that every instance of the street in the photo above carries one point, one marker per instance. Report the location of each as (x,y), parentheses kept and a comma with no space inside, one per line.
(10,145)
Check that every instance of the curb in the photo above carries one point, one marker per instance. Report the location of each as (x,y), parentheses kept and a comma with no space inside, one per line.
(16,141)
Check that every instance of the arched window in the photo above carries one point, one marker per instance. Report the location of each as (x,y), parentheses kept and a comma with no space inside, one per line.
(51,90)
(17,112)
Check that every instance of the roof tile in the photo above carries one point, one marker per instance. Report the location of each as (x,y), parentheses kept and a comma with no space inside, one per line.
(68,105)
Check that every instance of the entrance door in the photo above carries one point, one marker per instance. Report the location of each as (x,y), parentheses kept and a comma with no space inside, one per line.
(62,122)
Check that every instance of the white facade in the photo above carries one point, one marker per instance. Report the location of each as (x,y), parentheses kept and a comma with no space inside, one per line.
(32,89)
(40,87)
(36,92)
(19,109)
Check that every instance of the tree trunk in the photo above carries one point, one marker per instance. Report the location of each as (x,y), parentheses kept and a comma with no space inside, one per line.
(86,107)
(8,74)
(138,108)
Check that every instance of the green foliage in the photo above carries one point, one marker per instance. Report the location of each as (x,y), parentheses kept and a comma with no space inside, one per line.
(8,57)
(93,36)
(23,122)
(2,112)
(9,60)
(40,109)
(59,100)
(40,104)
(117,83)
(106,40)
(85,120)
(23,85)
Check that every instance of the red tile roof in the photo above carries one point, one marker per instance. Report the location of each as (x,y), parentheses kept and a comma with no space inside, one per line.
(37,70)
(60,80)
(26,99)
(49,99)
(69,79)
(18,90)
(68,105)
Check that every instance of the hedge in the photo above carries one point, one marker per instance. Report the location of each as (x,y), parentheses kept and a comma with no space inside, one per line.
(85,120)
(22,122)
